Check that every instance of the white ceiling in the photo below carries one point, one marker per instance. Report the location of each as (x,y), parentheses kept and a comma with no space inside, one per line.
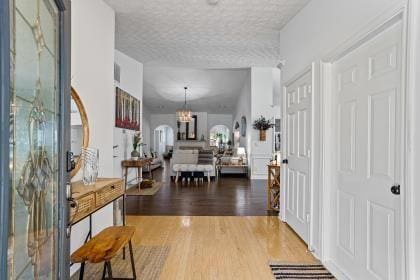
(212,91)
(197,34)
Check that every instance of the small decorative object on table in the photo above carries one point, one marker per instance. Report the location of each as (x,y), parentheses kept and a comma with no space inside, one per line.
(90,159)
(262,124)
(136,143)
(147,183)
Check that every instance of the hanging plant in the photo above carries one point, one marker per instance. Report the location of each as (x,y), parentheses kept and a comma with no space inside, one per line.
(262,124)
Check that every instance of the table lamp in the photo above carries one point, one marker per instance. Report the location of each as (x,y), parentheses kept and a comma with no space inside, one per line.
(241,153)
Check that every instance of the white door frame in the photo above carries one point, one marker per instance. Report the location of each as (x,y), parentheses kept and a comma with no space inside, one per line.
(314,224)
(329,133)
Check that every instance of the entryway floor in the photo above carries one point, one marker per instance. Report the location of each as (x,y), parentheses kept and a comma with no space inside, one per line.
(220,247)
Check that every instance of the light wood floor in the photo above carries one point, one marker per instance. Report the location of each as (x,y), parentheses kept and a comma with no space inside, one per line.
(220,247)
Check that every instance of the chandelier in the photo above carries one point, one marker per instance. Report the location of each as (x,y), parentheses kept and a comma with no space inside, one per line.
(184,114)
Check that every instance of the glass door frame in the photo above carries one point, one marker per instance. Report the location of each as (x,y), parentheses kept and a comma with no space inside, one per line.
(63,250)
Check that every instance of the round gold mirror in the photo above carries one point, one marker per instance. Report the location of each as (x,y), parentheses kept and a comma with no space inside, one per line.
(79,129)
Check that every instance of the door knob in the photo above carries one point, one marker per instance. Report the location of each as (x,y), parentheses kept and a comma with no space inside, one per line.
(395,189)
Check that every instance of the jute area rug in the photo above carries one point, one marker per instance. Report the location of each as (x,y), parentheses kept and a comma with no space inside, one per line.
(149,262)
(134,190)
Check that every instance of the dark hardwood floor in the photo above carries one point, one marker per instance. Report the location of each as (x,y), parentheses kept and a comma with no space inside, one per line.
(228,196)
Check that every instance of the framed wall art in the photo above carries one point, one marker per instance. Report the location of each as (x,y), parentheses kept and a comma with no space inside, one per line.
(127,110)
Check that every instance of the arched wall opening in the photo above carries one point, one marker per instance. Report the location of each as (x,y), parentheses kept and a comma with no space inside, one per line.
(163,138)
(219,135)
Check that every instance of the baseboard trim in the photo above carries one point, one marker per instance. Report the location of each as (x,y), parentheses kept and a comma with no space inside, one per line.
(258,177)
(335,270)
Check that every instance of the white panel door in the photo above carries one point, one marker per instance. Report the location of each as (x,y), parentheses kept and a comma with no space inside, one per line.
(298,131)
(367,83)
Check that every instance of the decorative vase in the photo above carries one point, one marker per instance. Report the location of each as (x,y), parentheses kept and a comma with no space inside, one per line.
(90,160)
(263,135)
(135,154)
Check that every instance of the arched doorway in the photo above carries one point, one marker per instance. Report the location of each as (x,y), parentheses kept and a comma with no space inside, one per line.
(163,138)
(219,136)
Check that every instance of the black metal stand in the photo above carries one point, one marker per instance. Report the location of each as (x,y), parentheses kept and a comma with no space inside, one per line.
(108,268)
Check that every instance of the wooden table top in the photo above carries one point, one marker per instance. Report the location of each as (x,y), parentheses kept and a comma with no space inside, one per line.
(232,165)
(78,189)
(104,246)
(136,162)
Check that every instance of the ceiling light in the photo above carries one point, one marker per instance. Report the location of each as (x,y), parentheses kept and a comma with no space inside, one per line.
(184,114)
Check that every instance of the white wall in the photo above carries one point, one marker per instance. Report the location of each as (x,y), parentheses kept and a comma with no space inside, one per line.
(146,128)
(220,119)
(243,108)
(321,26)
(262,93)
(131,81)
(205,122)
(92,63)
(162,119)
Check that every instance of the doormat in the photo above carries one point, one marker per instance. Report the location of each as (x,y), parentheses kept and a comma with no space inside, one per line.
(287,271)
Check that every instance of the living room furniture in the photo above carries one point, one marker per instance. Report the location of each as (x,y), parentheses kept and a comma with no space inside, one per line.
(190,145)
(156,163)
(233,164)
(188,161)
(137,164)
(273,187)
(241,167)
(103,247)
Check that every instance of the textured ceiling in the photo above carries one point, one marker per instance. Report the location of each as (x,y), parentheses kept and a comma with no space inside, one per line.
(212,91)
(196,33)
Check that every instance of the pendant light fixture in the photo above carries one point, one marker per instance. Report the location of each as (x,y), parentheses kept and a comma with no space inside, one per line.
(184,114)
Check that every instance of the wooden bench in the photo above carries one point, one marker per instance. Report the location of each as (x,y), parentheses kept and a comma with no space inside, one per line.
(103,247)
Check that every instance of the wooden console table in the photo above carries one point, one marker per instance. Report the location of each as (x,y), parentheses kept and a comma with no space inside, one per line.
(137,164)
(89,199)
(273,188)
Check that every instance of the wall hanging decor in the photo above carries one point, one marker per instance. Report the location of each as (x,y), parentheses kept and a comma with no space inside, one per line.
(127,110)
(262,124)
(243,126)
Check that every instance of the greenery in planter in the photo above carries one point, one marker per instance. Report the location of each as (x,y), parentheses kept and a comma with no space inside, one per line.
(262,124)
(136,140)
(136,144)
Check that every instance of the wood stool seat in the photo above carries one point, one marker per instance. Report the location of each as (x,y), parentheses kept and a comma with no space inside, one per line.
(103,247)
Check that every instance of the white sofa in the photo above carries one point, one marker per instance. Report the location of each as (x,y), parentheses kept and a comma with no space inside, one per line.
(187,161)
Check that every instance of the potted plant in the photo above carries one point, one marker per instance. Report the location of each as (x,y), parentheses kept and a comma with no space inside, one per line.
(262,124)
(136,143)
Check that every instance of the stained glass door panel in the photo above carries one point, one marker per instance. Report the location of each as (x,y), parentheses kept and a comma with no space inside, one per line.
(34,153)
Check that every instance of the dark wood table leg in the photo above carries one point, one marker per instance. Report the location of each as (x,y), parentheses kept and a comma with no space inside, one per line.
(138,178)
(108,264)
(150,171)
(124,206)
(133,266)
(104,272)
